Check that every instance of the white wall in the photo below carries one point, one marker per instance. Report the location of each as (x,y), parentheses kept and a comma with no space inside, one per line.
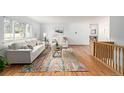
(104,29)
(82,29)
(81,26)
(82,36)
(117,29)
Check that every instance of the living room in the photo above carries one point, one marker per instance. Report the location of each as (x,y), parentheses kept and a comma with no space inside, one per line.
(60,45)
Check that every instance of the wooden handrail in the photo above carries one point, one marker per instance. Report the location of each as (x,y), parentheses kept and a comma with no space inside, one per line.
(111,55)
(110,44)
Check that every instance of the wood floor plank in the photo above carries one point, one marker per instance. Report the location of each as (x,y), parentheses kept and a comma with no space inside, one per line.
(95,68)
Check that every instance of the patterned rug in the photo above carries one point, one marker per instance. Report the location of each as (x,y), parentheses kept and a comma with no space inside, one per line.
(46,63)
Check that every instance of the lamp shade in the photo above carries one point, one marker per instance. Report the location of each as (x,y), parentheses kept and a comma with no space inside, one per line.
(44,34)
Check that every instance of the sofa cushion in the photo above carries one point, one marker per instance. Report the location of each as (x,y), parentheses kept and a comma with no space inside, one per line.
(27,44)
(25,47)
(20,45)
(32,42)
(36,51)
(37,47)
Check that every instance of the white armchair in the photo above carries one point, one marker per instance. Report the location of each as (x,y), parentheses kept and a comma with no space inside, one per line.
(62,41)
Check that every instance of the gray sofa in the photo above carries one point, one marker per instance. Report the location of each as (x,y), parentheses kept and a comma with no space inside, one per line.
(21,54)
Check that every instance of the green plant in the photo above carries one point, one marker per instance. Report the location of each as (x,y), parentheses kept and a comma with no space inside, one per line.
(3,62)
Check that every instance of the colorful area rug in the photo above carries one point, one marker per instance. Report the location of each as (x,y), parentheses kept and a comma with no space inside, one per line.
(46,63)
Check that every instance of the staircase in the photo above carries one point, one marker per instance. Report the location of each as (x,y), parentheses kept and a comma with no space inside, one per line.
(111,55)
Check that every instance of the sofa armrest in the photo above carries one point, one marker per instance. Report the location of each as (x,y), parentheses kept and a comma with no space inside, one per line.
(19,56)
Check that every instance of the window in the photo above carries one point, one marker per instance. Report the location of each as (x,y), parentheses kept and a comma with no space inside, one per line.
(14,30)
(8,33)
(19,30)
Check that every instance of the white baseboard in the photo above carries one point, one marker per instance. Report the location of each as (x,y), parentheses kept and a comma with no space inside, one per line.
(78,45)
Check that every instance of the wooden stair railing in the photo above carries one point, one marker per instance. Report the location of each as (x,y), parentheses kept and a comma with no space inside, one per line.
(111,55)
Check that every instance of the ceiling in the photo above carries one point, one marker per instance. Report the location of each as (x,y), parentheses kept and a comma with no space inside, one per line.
(63,19)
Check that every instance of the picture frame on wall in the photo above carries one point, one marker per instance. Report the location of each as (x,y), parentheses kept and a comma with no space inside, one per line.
(93,29)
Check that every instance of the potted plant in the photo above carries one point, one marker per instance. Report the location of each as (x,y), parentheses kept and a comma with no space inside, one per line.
(3,63)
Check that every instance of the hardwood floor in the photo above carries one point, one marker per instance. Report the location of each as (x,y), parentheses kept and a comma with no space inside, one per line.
(83,52)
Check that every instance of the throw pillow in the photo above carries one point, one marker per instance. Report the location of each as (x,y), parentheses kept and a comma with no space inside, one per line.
(38,42)
(29,46)
(24,47)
